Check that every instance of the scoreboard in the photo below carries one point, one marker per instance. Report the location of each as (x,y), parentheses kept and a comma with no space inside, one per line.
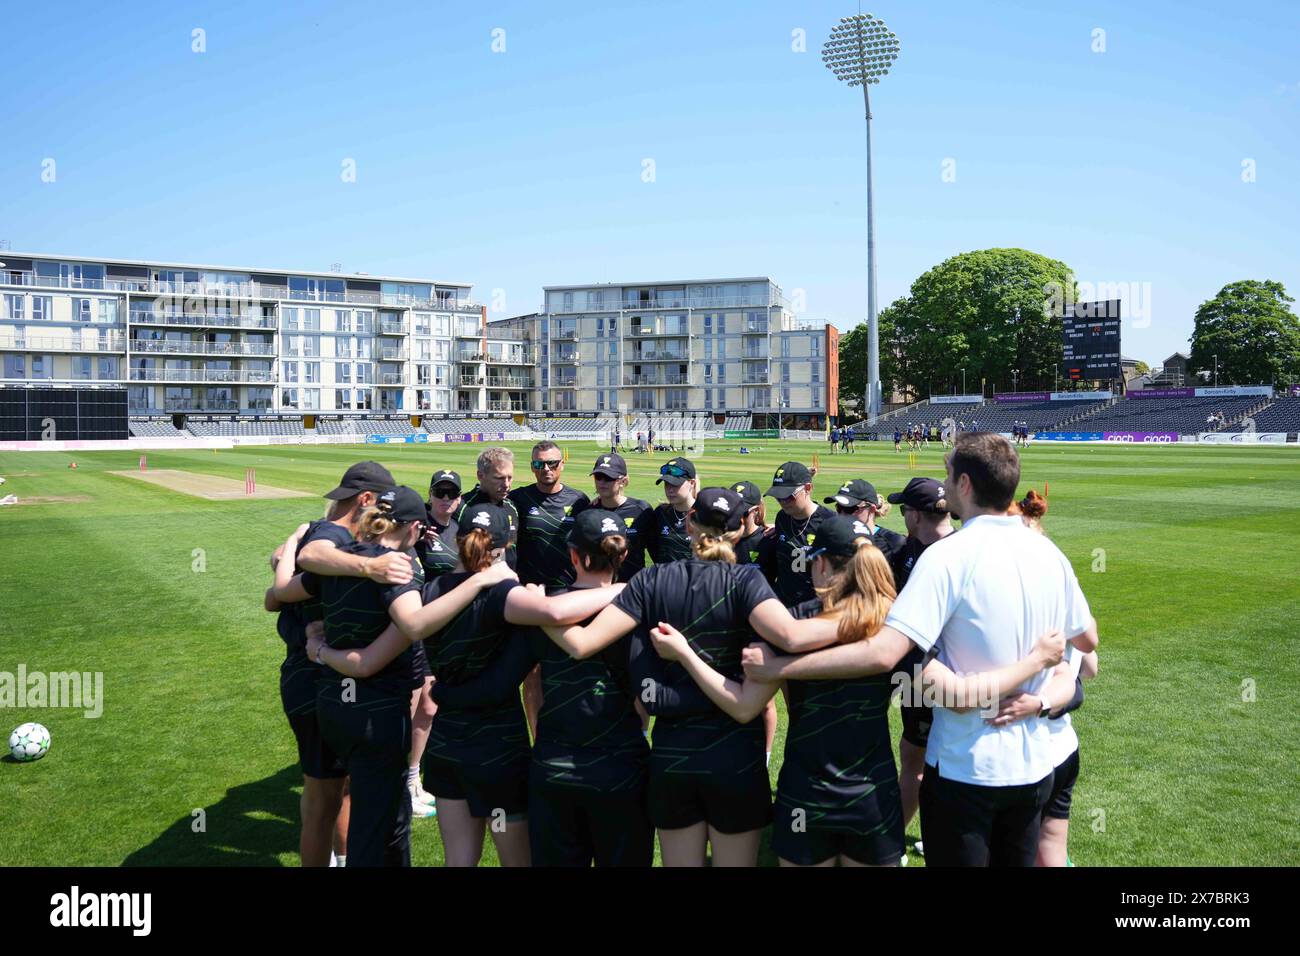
(1090,336)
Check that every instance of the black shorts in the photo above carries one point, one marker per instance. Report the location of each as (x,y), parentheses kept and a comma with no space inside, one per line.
(728,802)
(1058,804)
(315,756)
(817,845)
(964,824)
(298,679)
(579,826)
(916,724)
(486,789)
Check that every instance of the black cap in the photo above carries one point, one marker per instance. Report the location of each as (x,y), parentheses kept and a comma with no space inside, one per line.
(789,477)
(445,478)
(612,465)
(593,526)
(491,518)
(839,535)
(675,471)
(402,504)
(923,494)
(749,493)
(719,508)
(363,476)
(853,493)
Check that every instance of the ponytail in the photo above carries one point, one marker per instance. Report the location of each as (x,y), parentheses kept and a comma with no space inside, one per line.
(374,524)
(607,555)
(882,507)
(860,592)
(475,547)
(709,544)
(1033,506)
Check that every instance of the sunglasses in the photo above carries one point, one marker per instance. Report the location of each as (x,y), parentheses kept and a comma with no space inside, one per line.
(673,471)
(444,492)
(847,509)
(603,477)
(539,463)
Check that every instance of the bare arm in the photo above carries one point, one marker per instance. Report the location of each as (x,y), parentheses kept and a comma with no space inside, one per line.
(1088,640)
(777,626)
(980,691)
(875,655)
(363,661)
(1088,669)
(741,700)
(323,557)
(525,606)
(581,641)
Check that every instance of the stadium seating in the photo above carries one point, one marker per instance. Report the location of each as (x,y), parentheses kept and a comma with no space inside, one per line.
(1040,416)
(1283,415)
(157,429)
(331,427)
(739,422)
(1186,416)
(574,427)
(233,429)
(476,426)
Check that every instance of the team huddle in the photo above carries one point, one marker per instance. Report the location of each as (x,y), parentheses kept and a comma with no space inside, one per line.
(495,658)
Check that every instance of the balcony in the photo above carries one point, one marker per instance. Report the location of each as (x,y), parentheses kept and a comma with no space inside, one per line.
(464,333)
(215,376)
(512,359)
(470,357)
(203,320)
(756,379)
(470,381)
(392,378)
(501,406)
(673,301)
(650,331)
(754,355)
(392,327)
(565,358)
(630,378)
(394,355)
(565,335)
(754,328)
(658,355)
(171,347)
(24,343)
(510,381)
(567,382)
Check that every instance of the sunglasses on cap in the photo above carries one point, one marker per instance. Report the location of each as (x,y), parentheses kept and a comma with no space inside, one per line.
(444,491)
(673,471)
(540,463)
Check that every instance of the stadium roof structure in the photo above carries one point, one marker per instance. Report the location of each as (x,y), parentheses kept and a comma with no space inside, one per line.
(265,270)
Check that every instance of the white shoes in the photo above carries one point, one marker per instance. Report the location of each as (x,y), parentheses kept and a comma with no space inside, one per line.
(422,803)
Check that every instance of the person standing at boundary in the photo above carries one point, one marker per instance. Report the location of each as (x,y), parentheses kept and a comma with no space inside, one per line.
(833,436)
(979,597)
(634,515)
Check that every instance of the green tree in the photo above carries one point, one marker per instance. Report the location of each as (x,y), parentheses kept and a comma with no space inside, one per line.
(1250,327)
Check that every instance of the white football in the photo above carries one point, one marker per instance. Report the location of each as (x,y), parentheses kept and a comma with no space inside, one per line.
(29,742)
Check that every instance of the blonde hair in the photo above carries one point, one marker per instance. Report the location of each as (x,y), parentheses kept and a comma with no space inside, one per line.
(859,592)
(494,456)
(374,524)
(709,544)
(882,506)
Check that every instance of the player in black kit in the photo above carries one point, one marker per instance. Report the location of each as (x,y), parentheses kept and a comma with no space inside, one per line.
(785,560)
(859,499)
(708,782)
(668,540)
(635,515)
(587,785)
(476,761)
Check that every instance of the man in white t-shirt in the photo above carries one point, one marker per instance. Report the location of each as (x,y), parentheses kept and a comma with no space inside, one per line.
(980,598)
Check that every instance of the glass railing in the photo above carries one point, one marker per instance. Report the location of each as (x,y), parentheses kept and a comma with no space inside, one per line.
(198,375)
(168,346)
(203,321)
(74,344)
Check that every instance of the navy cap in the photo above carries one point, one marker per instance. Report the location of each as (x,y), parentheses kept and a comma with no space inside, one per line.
(401,504)
(491,518)
(675,471)
(363,476)
(788,478)
(593,526)
(840,536)
(612,465)
(719,509)
(853,493)
(749,493)
(923,494)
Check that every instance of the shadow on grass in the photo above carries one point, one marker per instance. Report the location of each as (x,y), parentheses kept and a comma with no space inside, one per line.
(251,826)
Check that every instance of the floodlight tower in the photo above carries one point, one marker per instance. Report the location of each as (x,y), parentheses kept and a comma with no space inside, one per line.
(859,52)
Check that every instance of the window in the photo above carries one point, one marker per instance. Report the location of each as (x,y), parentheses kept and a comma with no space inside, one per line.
(423,375)
(785,396)
(441,350)
(600,401)
(343,372)
(42,308)
(311,398)
(15,306)
(81,366)
(722,398)
(311,372)
(708,323)
(107,310)
(342,320)
(107,368)
(708,348)
(442,376)
(600,376)
(708,374)
(815,346)
(363,348)
(708,399)
(15,366)
(785,346)
(42,366)
(290,320)
(290,370)
(289,397)
(81,310)
(816,372)
(600,329)
(613,325)
(365,374)
(365,322)
(421,323)
(342,398)
(613,350)
(442,325)
(722,374)
(785,372)
(311,320)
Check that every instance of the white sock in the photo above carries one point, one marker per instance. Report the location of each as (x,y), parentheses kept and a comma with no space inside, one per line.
(412,777)
(769,759)
(334,860)
(343,860)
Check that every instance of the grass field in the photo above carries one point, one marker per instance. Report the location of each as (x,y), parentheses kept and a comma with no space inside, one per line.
(1187,555)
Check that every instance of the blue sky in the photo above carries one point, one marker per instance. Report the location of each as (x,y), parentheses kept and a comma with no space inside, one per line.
(517,169)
